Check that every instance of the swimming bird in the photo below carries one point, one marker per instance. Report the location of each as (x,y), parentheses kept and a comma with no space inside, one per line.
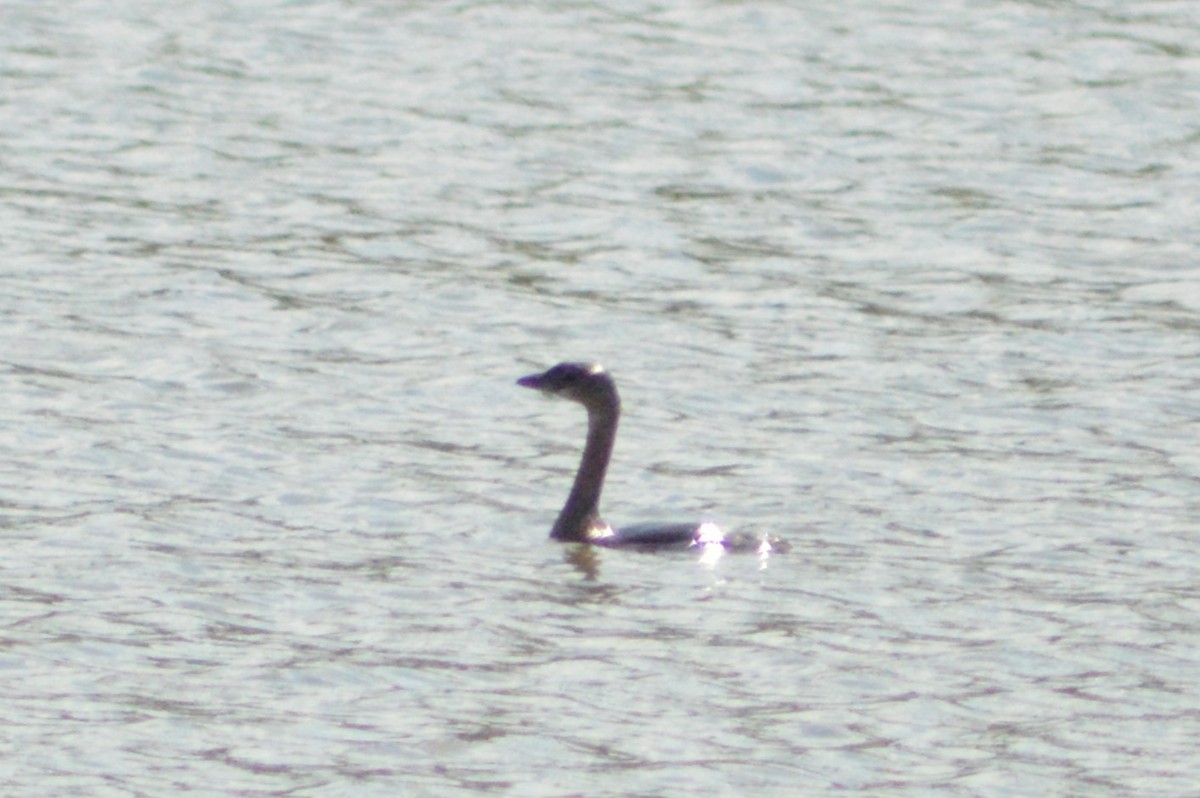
(579,521)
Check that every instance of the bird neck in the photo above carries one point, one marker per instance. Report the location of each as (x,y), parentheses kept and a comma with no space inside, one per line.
(580,516)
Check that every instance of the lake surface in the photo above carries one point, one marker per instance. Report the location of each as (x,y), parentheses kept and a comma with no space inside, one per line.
(913,285)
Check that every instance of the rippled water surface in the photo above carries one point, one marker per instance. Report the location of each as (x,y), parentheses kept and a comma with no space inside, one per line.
(914,285)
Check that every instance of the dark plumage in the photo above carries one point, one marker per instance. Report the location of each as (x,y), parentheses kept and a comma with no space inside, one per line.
(579,521)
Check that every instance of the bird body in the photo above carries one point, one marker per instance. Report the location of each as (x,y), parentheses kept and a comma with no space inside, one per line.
(590,385)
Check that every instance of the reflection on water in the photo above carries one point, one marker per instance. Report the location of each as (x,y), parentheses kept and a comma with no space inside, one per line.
(584,559)
(911,288)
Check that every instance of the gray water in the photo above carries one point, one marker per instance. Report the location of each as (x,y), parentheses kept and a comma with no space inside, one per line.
(913,285)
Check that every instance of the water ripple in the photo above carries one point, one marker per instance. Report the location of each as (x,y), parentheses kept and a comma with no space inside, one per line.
(910,286)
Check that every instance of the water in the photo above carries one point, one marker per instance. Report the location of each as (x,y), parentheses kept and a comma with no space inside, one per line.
(913,285)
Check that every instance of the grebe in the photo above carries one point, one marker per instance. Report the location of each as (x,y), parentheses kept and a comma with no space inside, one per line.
(579,521)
